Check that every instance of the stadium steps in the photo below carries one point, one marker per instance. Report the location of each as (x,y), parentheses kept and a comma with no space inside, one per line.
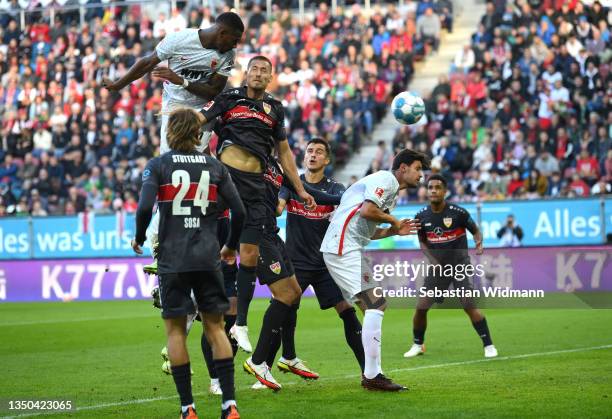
(424,80)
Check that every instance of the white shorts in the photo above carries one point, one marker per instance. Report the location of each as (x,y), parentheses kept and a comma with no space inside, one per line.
(351,272)
(163,141)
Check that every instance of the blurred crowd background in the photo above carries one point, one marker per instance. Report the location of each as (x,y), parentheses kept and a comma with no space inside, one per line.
(523,112)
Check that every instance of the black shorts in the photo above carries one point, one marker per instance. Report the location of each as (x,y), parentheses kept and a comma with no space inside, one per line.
(443,283)
(251,188)
(327,291)
(273,263)
(229,279)
(207,286)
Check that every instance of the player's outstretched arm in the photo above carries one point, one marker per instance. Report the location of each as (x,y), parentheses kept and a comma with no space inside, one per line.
(370,211)
(206,90)
(287,162)
(139,69)
(321,197)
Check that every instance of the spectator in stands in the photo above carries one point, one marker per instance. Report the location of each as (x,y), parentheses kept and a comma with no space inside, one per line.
(464,59)
(428,28)
(510,234)
(546,164)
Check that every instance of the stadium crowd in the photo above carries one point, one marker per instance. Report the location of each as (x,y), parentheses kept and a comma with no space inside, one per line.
(67,144)
(525,112)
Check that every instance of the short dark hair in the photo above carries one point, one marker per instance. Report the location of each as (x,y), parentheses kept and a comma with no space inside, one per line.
(319,140)
(260,58)
(231,20)
(409,156)
(439,177)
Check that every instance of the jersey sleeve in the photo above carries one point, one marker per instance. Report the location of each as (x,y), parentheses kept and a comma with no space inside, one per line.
(215,107)
(279,133)
(227,63)
(284,193)
(148,196)
(421,233)
(166,49)
(229,193)
(468,222)
(380,190)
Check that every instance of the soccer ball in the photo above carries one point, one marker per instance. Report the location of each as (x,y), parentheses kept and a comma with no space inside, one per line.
(407,108)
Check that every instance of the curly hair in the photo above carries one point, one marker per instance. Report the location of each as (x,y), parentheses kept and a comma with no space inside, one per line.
(184,130)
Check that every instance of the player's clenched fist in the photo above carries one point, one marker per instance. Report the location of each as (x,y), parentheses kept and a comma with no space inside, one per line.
(228,255)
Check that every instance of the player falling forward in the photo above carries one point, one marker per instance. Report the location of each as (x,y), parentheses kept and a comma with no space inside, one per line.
(186,184)
(305,231)
(199,63)
(365,205)
(250,128)
(444,241)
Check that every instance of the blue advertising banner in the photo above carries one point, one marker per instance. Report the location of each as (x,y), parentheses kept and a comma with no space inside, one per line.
(544,223)
(15,238)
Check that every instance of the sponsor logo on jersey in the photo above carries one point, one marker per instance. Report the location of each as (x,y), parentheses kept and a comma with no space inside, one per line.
(379,192)
(243,112)
(275,267)
(448,221)
(193,75)
(209,105)
(266,107)
(213,64)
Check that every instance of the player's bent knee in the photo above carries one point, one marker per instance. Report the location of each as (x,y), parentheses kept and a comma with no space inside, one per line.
(371,301)
(342,306)
(248,254)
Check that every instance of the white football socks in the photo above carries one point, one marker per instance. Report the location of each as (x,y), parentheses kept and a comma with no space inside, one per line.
(371,335)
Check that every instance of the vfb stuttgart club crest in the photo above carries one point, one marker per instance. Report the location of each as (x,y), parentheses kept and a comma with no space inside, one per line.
(448,221)
(267,107)
(275,267)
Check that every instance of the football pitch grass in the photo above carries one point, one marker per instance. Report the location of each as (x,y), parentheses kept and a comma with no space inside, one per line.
(105,358)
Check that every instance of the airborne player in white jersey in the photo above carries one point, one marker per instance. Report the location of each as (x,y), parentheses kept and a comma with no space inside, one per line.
(199,63)
(365,205)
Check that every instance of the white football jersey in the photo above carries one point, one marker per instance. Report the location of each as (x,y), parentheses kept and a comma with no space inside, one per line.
(189,59)
(347,230)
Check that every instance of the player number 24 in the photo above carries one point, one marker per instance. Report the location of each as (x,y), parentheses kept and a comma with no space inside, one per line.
(181,178)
